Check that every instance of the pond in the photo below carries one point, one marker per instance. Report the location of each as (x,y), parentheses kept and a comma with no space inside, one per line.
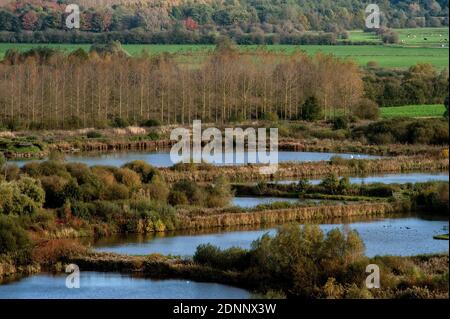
(405,236)
(387,179)
(251,202)
(98,285)
(162,159)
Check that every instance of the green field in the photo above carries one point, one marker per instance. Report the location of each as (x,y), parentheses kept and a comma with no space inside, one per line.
(434,37)
(414,37)
(385,56)
(434,110)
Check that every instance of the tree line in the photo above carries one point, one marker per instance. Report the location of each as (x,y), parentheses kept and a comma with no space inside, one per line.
(174,36)
(43,88)
(246,21)
(420,84)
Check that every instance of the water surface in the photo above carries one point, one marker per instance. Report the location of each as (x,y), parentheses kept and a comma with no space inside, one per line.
(98,285)
(251,202)
(162,159)
(405,236)
(401,178)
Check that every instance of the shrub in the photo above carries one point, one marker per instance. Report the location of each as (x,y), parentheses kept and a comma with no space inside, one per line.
(54,187)
(340,123)
(83,210)
(232,258)
(151,123)
(128,177)
(93,134)
(119,122)
(32,169)
(23,197)
(367,109)
(107,210)
(425,131)
(53,251)
(311,110)
(355,292)
(153,136)
(330,183)
(145,170)
(12,236)
(157,189)
(33,189)
(116,191)
(104,175)
(194,194)
(177,198)
(219,193)
(270,116)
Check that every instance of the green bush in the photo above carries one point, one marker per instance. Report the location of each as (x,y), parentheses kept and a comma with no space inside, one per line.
(219,194)
(194,194)
(12,236)
(310,110)
(128,177)
(93,134)
(157,189)
(232,258)
(83,210)
(54,187)
(22,197)
(153,136)
(270,116)
(119,122)
(412,131)
(367,109)
(177,198)
(107,210)
(145,170)
(33,189)
(340,123)
(151,123)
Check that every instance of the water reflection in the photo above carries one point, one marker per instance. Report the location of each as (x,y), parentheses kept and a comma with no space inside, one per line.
(97,285)
(382,236)
(162,159)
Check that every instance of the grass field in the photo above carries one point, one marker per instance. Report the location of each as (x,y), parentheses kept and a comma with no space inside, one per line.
(385,56)
(414,37)
(434,110)
(435,37)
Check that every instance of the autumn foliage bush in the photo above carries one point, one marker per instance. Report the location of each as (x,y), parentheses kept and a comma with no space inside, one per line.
(52,251)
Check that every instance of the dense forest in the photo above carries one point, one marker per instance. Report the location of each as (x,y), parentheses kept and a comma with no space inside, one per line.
(246,21)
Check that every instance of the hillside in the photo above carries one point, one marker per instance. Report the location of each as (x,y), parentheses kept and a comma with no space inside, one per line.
(201,21)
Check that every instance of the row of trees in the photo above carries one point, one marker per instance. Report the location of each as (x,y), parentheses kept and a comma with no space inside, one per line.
(232,18)
(174,36)
(44,88)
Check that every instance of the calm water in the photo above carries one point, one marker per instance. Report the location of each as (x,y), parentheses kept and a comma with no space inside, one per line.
(388,179)
(250,202)
(97,285)
(162,159)
(385,236)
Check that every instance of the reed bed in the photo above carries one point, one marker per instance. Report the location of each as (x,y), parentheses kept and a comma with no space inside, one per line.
(321,169)
(209,219)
